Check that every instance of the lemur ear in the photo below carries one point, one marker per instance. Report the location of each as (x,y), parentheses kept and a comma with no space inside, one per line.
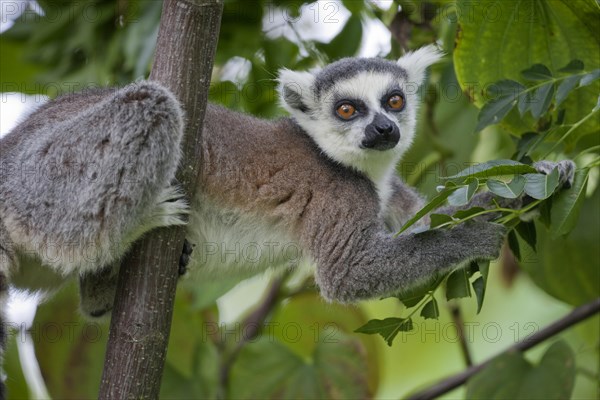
(296,90)
(416,62)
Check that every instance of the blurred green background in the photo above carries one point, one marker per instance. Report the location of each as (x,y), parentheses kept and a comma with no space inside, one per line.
(306,348)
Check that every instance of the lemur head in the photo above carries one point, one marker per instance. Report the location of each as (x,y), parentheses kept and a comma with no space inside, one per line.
(360,111)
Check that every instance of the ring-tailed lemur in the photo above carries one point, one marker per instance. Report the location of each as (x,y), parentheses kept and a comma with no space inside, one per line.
(87,174)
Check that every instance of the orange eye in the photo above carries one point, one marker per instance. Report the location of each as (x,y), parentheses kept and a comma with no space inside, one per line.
(396,102)
(346,111)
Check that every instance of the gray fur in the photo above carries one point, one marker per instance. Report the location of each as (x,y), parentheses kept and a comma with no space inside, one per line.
(82,178)
(347,68)
(328,210)
(566,170)
(112,154)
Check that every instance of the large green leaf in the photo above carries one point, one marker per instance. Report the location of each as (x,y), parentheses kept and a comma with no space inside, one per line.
(541,186)
(509,190)
(500,39)
(327,324)
(494,168)
(434,203)
(568,268)
(567,205)
(511,376)
(267,369)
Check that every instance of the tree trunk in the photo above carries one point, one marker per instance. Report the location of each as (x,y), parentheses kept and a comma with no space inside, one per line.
(142,313)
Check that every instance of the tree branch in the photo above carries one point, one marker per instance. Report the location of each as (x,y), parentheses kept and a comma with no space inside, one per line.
(576,316)
(142,313)
(460,331)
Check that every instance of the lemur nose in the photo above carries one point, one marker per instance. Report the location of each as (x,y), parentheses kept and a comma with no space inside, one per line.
(384,129)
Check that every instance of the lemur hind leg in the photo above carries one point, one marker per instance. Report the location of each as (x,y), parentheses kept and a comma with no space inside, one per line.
(97,289)
(112,154)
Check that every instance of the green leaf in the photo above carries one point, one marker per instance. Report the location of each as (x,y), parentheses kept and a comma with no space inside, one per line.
(473,184)
(434,203)
(541,186)
(524,103)
(573,66)
(560,118)
(589,78)
(484,268)
(472,269)
(462,214)
(267,369)
(545,208)
(279,52)
(355,7)
(347,42)
(526,230)
(479,289)
(494,111)
(527,140)
(510,190)
(567,205)
(490,49)
(553,378)
(322,324)
(494,168)
(388,328)
(413,295)
(18,75)
(565,88)
(464,194)
(459,197)
(439,219)
(457,285)
(513,243)
(568,267)
(431,309)
(537,72)
(505,87)
(204,380)
(541,100)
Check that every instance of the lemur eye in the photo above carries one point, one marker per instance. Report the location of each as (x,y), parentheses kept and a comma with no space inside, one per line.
(346,111)
(396,102)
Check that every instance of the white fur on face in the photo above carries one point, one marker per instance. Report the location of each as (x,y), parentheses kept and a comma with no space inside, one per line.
(341,140)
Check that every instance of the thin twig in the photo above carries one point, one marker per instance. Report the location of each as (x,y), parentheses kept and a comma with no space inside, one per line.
(577,315)
(460,331)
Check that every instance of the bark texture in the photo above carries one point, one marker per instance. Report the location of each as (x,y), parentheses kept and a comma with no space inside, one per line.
(143,309)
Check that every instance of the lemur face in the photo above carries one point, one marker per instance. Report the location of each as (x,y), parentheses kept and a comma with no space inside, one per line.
(359,111)
(366,113)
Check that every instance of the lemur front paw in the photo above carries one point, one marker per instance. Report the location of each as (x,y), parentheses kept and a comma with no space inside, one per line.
(566,170)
